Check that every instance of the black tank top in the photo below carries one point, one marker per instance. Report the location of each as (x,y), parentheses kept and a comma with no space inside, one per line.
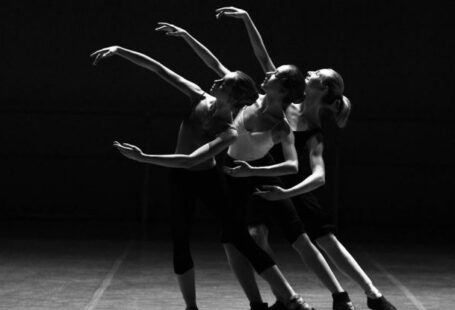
(301,138)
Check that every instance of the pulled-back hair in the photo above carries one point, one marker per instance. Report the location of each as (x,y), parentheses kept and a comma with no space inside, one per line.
(244,90)
(294,83)
(335,86)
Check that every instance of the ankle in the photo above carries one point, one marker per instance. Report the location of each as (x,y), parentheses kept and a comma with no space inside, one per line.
(373,293)
(341,297)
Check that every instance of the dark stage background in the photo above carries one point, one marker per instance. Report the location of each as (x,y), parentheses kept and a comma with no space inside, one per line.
(391,167)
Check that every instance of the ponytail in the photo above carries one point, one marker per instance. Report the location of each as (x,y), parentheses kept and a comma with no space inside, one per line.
(343,110)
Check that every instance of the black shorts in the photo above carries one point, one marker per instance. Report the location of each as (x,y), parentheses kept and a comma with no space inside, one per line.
(318,221)
(260,211)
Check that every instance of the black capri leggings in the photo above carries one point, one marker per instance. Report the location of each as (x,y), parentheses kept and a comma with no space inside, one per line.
(207,186)
(260,211)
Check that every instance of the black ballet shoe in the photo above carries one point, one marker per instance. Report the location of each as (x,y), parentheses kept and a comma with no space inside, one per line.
(297,303)
(343,305)
(341,301)
(191,308)
(258,306)
(278,305)
(380,303)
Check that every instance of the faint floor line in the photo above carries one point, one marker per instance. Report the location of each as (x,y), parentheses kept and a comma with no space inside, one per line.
(107,280)
(397,283)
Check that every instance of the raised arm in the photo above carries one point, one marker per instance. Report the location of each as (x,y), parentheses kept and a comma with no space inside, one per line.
(187,87)
(200,155)
(255,37)
(203,52)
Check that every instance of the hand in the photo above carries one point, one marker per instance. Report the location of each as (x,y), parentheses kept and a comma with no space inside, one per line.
(104,53)
(129,151)
(271,192)
(171,30)
(231,11)
(242,170)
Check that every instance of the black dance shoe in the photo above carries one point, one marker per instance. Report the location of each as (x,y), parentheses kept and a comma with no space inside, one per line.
(380,304)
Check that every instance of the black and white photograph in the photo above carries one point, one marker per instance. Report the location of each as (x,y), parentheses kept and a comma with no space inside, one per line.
(227,155)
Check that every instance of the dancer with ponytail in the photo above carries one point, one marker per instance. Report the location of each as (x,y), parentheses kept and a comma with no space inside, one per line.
(324,92)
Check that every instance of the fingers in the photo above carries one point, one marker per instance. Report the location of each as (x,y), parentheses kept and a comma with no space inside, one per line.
(95,61)
(166,24)
(131,146)
(97,52)
(241,163)
(163,28)
(226,8)
(268,187)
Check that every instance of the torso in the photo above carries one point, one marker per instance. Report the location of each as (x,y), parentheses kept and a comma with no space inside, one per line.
(258,132)
(198,128)
(303,130)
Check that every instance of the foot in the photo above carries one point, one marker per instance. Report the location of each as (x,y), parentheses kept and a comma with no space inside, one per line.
(380,304)
(343,305)
(259,306)
(278,305)
(341,301)
(191,308)
(297,303)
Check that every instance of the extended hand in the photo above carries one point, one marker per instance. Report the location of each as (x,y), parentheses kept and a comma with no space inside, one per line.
(231,11)
(171,30)
(129,151)
(242,170)
(271,192)
(104,53)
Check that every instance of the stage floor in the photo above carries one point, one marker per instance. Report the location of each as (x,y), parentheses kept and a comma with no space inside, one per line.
(71,273)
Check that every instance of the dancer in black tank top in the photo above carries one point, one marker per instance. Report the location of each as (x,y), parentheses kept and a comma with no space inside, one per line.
(323,91)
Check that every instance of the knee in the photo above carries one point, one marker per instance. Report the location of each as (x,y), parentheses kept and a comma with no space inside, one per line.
(259,234)
(327,242)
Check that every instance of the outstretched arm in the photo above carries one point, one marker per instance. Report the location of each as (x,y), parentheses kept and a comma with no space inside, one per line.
(203,153)
(255,37)
(203,52)
(189,88)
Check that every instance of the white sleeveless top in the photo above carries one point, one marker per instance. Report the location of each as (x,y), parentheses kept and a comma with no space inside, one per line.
(250,145)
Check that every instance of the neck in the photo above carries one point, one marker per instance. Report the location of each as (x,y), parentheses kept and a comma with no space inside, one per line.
(222,110)
(272,104)
(311,109)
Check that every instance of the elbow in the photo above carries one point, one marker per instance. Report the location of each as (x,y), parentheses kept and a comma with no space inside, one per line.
(321,180)
(187,163)
(293,167)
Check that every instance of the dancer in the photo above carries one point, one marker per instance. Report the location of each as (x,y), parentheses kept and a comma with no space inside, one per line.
(323,92)
(267,126)
(203,133)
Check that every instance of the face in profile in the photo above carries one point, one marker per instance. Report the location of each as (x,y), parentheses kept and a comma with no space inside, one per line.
(222,88)
(274,79)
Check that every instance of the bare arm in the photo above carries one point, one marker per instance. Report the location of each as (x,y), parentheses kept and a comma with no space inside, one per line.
(317,176)
(288,166)
(313,181)
(202,154)
(203,52)
(187,87)
(255,37)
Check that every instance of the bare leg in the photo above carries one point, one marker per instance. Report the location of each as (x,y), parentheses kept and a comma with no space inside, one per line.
(317,263)
(187,287)
(347,264)
(244,273)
